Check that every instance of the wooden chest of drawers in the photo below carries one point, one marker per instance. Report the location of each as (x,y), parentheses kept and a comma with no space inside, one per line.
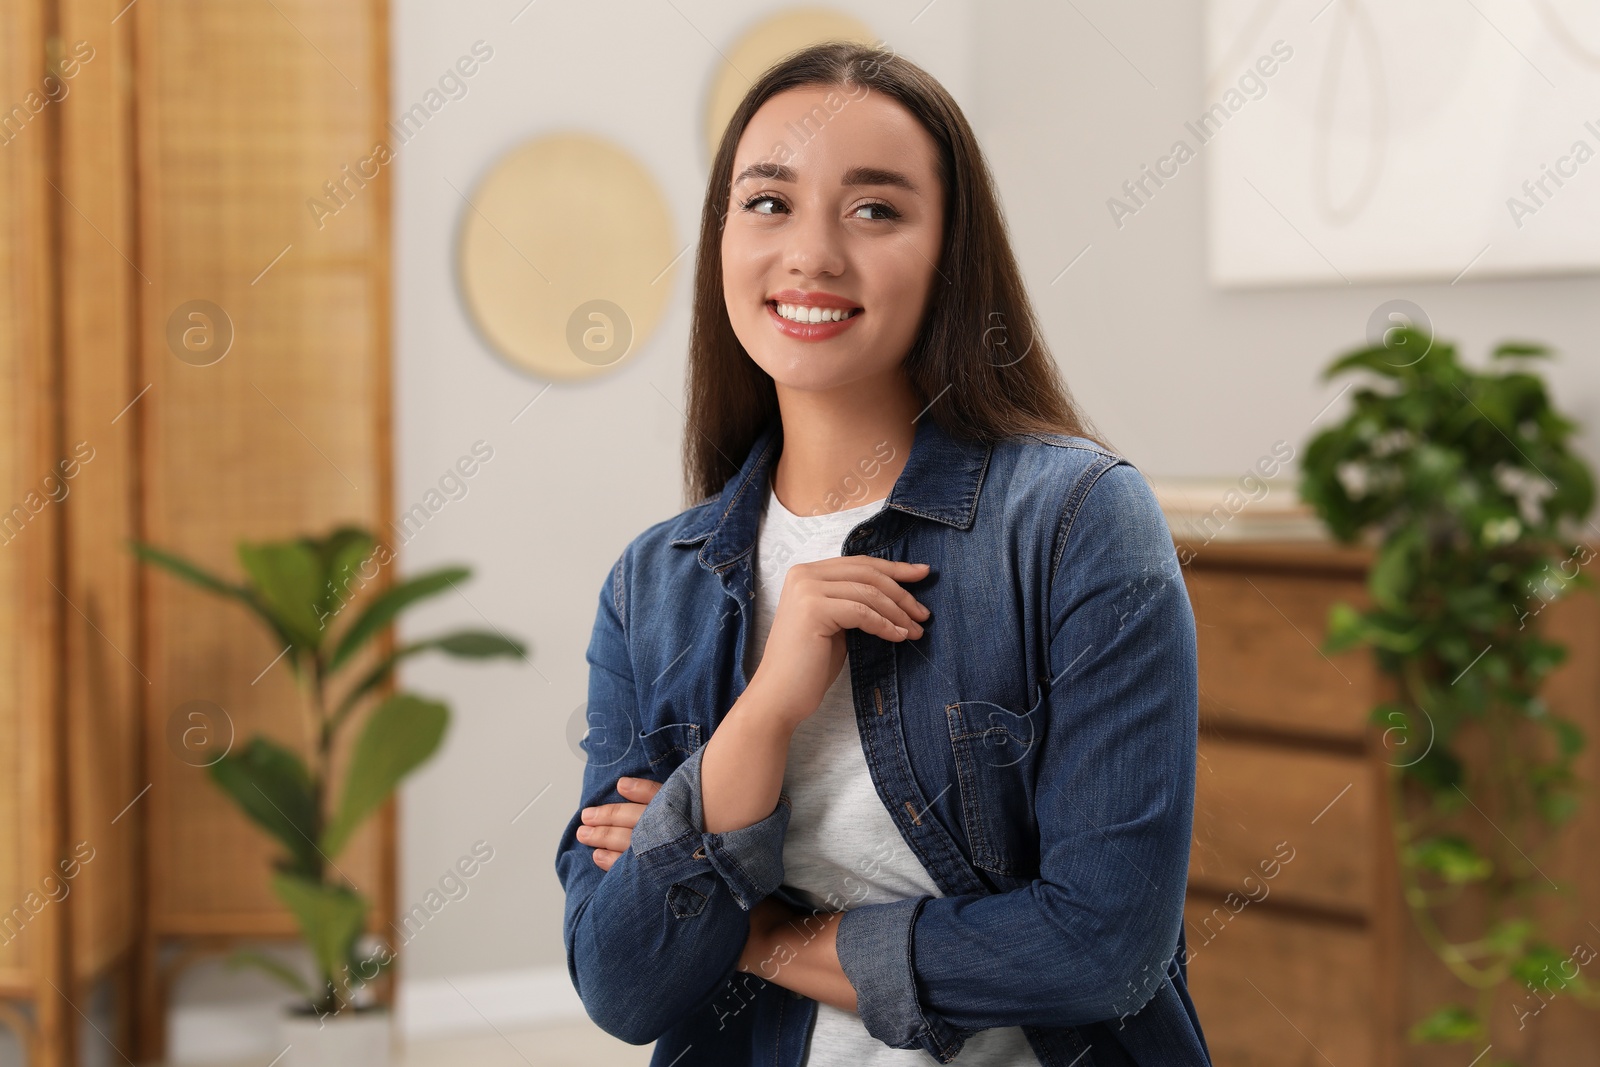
(1302,951)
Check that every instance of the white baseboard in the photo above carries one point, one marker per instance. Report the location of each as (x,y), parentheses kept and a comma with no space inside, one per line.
(425,1008)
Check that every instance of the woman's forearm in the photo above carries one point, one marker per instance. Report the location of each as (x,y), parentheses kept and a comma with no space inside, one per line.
(800,954)
(741,771)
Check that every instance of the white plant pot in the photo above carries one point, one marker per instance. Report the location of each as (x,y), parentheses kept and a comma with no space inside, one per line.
(351,1038)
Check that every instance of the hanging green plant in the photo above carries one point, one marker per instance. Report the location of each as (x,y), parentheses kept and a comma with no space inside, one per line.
(1466,484)
(299,589)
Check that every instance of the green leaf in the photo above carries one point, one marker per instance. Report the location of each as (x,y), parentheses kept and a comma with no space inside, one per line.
(465,644)
(1453,1022)
(402,733)
(189,572)
(1570,737)
(1520,349)
(479,644)
(1397,357)
(1346,628)
(273,788)
(389,604)
(247,957)
(1508,936)
(1452,857)
(288,579)
(1556,806)
(341,555)
(1574,482)
(1540,966)
(330,917)
(1391,577)
(1439,770)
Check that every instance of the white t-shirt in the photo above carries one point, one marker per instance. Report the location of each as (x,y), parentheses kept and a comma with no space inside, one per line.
(841,848)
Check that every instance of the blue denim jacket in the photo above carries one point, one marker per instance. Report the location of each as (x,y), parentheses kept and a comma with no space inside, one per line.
(1035,748)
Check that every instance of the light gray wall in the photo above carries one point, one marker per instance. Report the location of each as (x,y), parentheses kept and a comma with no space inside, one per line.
(1186,380)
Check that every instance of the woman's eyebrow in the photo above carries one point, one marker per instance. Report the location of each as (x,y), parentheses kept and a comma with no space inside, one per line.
(877,176)
(779,172)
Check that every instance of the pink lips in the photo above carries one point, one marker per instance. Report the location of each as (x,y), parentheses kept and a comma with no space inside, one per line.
(810,331)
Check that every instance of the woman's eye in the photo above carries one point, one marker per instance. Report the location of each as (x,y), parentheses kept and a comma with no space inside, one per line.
(751,204)
(889,213)
(755,206)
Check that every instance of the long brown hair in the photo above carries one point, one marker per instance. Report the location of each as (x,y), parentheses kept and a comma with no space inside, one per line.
(979,349)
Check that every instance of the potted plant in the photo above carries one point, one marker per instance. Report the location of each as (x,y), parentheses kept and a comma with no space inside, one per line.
(300,589)
(1466,482)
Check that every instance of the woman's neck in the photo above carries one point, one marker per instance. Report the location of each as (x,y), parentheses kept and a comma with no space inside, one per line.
(843,451)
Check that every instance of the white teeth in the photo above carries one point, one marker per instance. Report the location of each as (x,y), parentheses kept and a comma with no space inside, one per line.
(799,313)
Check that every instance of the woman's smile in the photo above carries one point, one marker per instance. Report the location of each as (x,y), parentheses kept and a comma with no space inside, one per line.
(810,322)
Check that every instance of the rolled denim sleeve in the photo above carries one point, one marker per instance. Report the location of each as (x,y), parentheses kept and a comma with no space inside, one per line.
(874,944)
(653,938)
(749,860)
(1093,937)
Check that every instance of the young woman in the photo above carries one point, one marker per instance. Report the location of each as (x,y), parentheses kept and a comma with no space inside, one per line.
(892,734)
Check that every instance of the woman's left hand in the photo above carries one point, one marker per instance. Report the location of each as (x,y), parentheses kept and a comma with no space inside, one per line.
(769,915)
(796,949)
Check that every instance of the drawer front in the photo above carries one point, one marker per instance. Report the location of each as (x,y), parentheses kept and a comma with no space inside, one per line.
(1275,991)
(1260,665)
(1285,824)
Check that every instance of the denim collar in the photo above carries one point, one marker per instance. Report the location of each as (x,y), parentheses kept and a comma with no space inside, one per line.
(940,481)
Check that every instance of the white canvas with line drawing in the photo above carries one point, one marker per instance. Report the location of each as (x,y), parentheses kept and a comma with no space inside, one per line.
(1439,140)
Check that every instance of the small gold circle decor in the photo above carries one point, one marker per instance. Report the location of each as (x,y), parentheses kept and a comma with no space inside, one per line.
(566,256)
(763,45)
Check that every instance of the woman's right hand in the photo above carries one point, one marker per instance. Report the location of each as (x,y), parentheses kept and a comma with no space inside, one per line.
(820,600)
(608,828)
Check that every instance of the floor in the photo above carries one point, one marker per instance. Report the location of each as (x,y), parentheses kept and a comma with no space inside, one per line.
(567,1045)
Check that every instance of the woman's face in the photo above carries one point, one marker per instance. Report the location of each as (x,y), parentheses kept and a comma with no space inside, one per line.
(835,205)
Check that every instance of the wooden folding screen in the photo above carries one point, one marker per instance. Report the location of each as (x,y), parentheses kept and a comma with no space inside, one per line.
(36,944)
(155,187)
(103,650)
(246,112)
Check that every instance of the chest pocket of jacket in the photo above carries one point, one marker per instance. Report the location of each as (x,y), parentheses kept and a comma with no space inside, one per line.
(995,752)
(668,746)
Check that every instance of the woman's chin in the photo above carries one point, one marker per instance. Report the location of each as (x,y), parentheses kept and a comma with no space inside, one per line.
(819,375)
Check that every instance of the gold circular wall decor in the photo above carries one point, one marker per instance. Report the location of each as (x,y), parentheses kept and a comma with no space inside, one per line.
(563,256)
(762,46)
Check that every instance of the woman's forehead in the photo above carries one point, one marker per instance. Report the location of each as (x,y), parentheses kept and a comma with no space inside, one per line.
(819,133)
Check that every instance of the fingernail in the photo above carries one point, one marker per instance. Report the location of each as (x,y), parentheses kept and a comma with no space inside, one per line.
(903,630)
(624,782)
(586,813)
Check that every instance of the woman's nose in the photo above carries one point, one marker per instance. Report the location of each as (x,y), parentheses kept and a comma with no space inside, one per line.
(815,244)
